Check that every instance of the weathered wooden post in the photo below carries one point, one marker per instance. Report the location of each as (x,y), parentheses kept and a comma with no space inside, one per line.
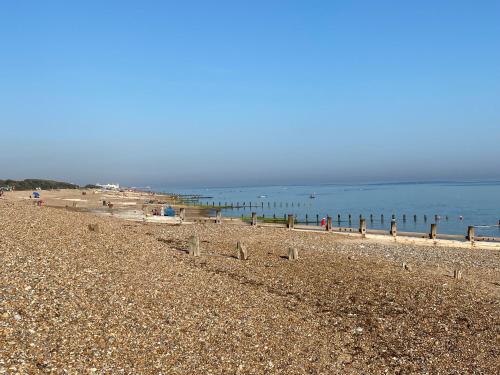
(182,213)
(470,233)
(433,233)
(93,227)
(290,223)
(362,227)
(254,218)
(218,216)
(394,228)
(328,223)
(293,253)
(194,246)
(241,251)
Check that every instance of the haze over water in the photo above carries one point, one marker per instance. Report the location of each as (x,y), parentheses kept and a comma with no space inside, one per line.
(477,202)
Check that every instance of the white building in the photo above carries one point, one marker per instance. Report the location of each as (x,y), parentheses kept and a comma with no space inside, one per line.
(109,186)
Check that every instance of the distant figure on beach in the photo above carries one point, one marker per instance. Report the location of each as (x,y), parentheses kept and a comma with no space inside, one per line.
(323,222)
(461,217)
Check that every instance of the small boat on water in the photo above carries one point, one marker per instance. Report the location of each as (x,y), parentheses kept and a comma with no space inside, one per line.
(312,196)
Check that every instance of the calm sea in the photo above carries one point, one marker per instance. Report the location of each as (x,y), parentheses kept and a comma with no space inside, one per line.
(457,204)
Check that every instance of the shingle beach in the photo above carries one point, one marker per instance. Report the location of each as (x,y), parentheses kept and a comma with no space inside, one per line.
(126,297)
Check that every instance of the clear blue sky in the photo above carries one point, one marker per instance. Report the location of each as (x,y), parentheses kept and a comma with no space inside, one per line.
(249,92)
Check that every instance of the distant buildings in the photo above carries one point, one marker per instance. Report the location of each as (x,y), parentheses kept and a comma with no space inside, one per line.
(109,186)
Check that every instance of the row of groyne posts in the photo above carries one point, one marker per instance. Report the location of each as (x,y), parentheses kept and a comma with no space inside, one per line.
(307,219)
(362,229)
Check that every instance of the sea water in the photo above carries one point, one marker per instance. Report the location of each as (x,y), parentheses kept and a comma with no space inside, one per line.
(458,205)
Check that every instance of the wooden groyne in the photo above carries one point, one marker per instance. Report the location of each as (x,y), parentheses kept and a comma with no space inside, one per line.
(433,237)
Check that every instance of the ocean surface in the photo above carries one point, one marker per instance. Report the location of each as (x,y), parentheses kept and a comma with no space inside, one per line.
(457,204)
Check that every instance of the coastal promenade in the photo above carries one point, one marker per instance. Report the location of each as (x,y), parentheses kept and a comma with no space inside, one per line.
(83,293)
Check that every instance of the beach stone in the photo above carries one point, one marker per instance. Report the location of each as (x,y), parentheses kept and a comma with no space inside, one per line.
(242,251)
(293,253)
(194,246)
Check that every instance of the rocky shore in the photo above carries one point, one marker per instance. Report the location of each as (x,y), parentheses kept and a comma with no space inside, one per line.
(81,293)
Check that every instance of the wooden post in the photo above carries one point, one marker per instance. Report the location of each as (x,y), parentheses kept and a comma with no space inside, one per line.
(470,233)
(254,218)
(194,246)
(241,251)
(293,253)
(433,233)
(394,228)
(328,223)
(218,216)
(290,221)
(362,227)
(182,213)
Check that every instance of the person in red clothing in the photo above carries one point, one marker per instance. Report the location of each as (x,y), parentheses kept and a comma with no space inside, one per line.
(323,222)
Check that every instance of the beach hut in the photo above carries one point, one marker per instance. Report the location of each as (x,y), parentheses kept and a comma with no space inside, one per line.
(36,194)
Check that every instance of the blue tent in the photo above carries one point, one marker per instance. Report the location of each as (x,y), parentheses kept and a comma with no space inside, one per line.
(36,194)
(169,211)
